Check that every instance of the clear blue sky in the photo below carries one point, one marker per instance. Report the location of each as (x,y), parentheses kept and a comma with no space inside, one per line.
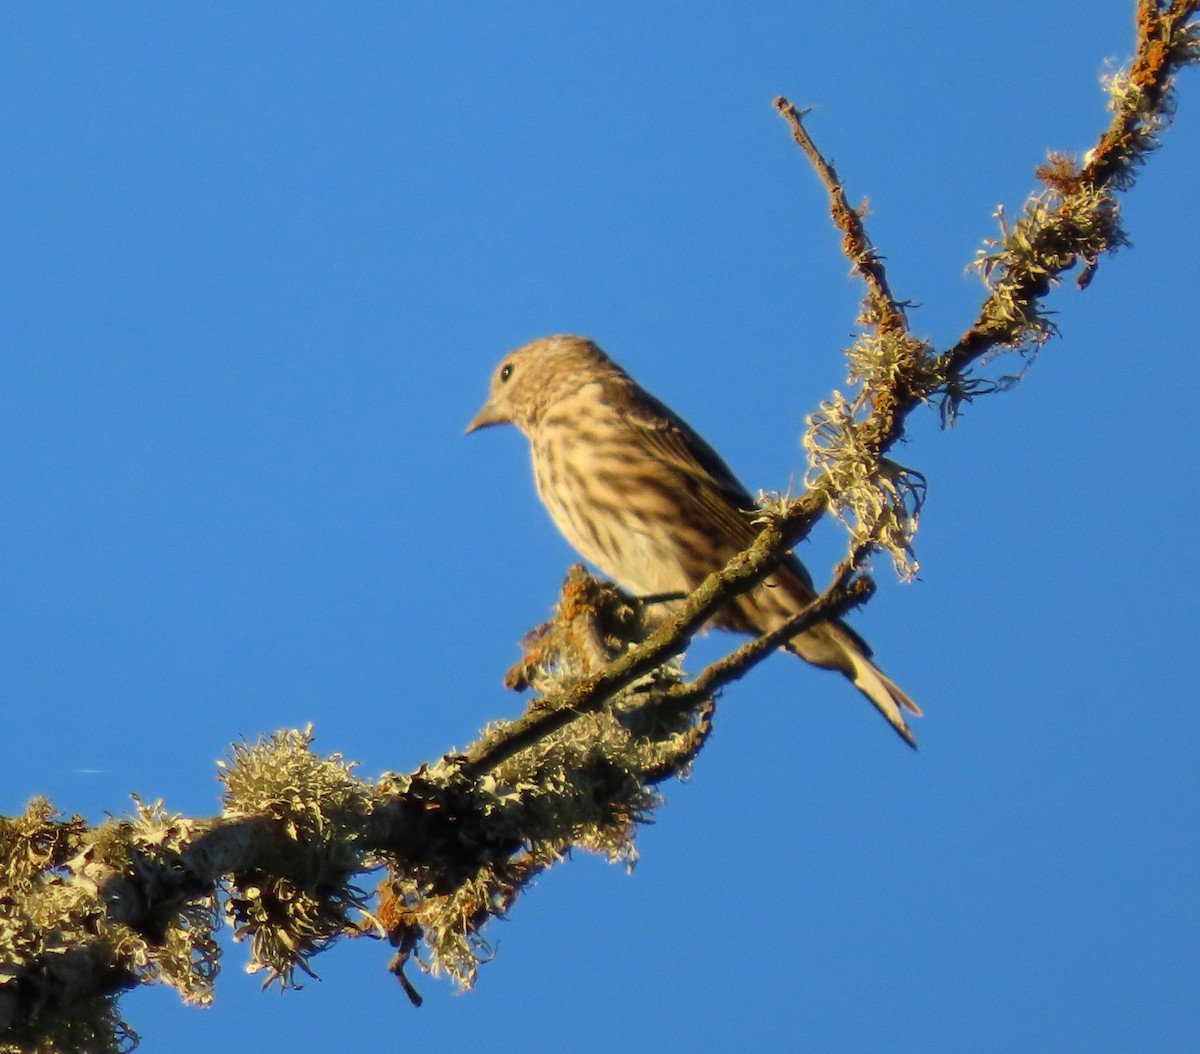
(258,261)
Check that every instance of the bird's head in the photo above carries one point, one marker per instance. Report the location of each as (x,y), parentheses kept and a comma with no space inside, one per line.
(533,378)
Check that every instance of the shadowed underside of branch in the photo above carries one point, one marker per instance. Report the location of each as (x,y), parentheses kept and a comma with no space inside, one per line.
(88,912)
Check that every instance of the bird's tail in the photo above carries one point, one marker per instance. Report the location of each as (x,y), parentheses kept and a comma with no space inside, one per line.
(835,646)
(884,693)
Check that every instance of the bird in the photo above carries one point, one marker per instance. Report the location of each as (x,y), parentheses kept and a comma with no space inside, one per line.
(641,496)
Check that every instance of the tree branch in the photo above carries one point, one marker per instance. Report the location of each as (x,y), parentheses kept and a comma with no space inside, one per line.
(856,246)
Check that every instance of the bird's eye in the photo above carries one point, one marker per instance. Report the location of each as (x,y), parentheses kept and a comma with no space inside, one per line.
(506,372)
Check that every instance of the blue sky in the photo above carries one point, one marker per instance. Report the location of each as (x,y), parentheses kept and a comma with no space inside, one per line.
(259,261)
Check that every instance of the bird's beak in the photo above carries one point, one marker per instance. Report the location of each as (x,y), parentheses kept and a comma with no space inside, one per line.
(487,416)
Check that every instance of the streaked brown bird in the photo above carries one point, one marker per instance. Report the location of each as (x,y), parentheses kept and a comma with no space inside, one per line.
(642,497)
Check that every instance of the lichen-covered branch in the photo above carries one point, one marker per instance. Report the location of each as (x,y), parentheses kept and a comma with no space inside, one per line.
(1075,219)
(87,912)
(1070,223)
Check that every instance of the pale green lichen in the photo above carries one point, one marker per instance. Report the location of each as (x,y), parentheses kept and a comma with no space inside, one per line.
(877,499)
(54,928)
(584,786)
(882,359)
(291,917)
(188,956)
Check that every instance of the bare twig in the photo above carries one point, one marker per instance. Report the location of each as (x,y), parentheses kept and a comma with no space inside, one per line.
(856,246)
(843,594)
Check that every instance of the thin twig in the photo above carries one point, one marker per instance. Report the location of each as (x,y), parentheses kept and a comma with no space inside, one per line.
(833,603)
(856,246)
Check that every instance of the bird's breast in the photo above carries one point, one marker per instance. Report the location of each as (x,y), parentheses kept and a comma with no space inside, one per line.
(612,511)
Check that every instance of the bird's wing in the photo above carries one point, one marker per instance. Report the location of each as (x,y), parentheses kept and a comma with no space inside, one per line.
(715,490)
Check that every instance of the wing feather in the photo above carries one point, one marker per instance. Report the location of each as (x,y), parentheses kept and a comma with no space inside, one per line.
(717,496)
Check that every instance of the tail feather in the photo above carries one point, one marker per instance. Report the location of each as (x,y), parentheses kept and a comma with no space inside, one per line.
(835,646)
(884,694)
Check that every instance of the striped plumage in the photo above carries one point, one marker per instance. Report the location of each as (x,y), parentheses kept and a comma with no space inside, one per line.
(642,497)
